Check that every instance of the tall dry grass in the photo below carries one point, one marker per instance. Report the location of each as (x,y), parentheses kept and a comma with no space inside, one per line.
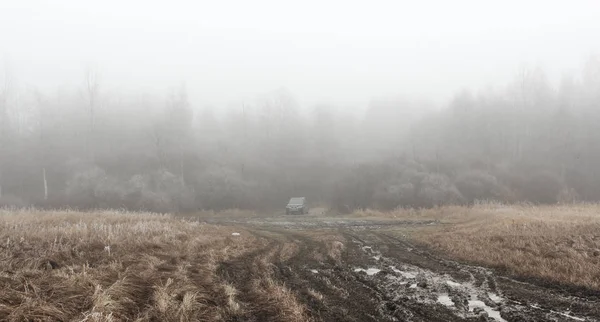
(117,266)
(557,243)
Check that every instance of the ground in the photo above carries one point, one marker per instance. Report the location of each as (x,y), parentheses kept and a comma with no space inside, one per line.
(67,266)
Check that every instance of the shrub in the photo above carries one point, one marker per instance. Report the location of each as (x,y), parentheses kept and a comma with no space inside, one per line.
(542,188)
(81,187)
(478,185)
(12,201)
(436,190)
(223,188)
(393,196)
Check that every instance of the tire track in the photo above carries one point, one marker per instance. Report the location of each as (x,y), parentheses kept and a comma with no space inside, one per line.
(328,288)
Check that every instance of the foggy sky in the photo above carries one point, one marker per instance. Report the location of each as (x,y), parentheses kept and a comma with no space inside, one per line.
(343,52)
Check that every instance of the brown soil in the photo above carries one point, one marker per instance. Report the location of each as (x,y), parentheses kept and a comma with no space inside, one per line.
(405,282)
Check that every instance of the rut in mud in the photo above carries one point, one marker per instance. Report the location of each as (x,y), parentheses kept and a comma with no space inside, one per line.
(356,274)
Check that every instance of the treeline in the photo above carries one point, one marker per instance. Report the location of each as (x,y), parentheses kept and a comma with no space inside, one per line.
(93,148)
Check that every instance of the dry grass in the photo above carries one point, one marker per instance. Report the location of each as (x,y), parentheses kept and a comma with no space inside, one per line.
(556,243)
(240,213)
(119,266)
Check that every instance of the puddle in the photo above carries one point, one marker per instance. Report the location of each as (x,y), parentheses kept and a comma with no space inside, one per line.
(453,284)
(445,300)
(369,271)
(491,312)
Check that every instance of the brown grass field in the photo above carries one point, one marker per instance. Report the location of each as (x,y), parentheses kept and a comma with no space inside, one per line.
(121,266)
(556,243)
(118,266)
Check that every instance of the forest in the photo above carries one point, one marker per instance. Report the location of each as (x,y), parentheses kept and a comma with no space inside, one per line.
(88,147)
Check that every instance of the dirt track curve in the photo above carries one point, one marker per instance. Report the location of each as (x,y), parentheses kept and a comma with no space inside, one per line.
(368,271)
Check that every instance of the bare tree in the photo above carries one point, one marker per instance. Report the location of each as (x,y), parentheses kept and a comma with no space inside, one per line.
(5,91)
(92,88)
(42,139)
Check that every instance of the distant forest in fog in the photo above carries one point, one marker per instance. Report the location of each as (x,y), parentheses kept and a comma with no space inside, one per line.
(89,148)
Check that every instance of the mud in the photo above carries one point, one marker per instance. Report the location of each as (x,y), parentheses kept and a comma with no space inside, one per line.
(366,270)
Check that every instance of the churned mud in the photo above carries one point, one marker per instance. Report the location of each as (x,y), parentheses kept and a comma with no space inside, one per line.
(365,270)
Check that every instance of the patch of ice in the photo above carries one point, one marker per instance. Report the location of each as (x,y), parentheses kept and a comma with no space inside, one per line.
(373,271)
(494,297)
(235,234)
(314,271)
(535,306)
(453,284)
(570,316)
(491,312)
(445,300)
(409,275)
(369,271)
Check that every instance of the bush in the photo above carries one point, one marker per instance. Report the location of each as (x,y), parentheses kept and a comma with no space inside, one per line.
(388,197)
(568,195)
(81,187)
(478,185)
(223,188)
(159,191)
(436,190)
(542,188)
(12,201)
(357,188)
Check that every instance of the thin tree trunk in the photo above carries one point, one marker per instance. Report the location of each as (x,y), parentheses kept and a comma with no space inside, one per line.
(45,184)
(181,167)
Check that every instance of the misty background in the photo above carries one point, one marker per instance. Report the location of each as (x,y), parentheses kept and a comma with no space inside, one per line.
(187,106)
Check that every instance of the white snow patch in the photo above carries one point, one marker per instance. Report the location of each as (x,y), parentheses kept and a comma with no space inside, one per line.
(235,234)
(491,312)
(570,316)
(377,257)
(413,286)
(535,306)
(365,248)
(409,274)
(453,284)
(314,271)
(445,300)
(494,297)
(369,271)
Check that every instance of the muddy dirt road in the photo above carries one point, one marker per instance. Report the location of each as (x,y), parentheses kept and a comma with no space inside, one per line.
(367,270)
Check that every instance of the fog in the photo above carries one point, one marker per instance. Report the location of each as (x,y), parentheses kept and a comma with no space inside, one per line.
(335,51)
(186,105)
